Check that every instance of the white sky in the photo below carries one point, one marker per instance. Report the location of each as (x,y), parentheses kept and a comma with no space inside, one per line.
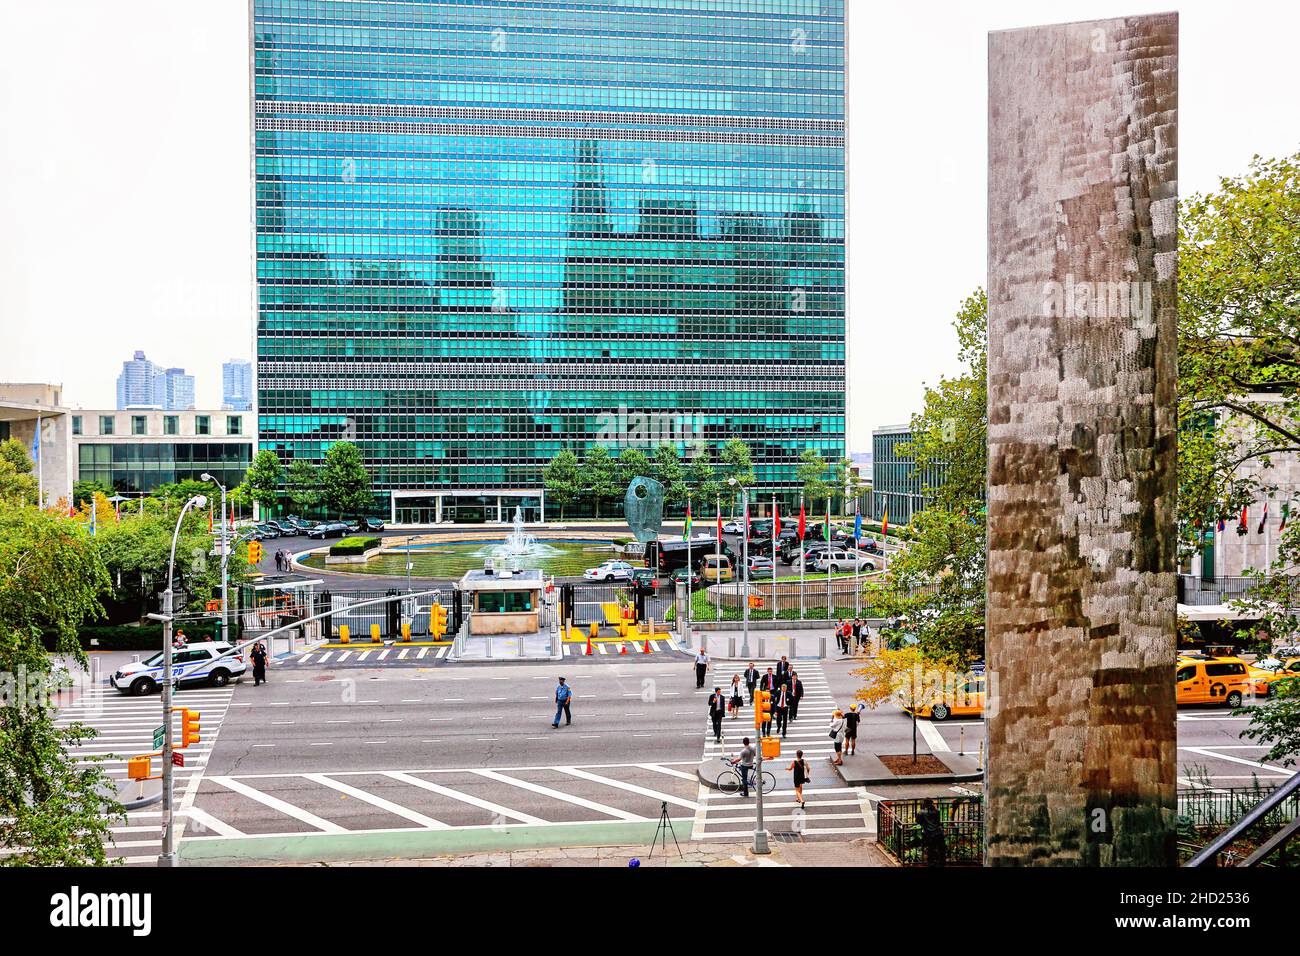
(124,192)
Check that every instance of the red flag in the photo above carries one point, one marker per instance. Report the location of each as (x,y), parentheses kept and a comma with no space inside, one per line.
(884,528)
(776,520)
(1242,526)
(802,526)
(72,509)
(209,517)
(748,528)
(719,521)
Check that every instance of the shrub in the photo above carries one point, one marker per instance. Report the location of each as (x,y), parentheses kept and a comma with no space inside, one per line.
(147,637)
(354,545)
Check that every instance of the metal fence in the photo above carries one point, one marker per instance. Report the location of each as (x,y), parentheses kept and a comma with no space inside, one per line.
(1221,807)
(1200,591)
(962,820)
(584,604)
(264,609)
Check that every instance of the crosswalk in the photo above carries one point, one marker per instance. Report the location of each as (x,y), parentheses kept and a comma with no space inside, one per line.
(370,655)
(832,810)
(383,801)
(125,728)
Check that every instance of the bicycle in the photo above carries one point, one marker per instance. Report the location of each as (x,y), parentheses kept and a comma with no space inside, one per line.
(729,780)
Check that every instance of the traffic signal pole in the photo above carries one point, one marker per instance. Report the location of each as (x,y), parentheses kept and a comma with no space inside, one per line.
(762,713)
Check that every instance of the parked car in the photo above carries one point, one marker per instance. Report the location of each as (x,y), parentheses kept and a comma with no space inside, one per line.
(329,529)
(810,555)
(733,527)
(869,545)
(836,560)
(369,524)
(610,571)
(287,529)
(269,530)
(645,577)
(693,579)
(717,569)
(761,567)
(198,663)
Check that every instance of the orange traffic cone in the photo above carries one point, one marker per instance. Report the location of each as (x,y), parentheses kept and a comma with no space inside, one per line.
(646,649)
(622,647)
(588,645)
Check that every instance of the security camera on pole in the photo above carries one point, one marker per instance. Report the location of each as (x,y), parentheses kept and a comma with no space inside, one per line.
(168,855)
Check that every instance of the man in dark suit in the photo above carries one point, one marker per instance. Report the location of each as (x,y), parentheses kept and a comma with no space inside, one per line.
(781,709)
(783,670)
(717,707)
(751,680)
(796,694)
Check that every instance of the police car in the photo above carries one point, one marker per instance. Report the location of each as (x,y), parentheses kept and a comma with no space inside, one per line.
(200,663)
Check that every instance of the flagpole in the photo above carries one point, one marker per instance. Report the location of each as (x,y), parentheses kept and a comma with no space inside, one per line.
(717,559)
(801,558)
(827,527)
(774,556)
(689,568)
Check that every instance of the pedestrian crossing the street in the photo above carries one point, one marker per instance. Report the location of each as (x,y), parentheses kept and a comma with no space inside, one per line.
(125,728)
(832,809)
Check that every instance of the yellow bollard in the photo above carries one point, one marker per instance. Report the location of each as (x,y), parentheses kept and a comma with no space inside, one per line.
(374,634)
(406,631)
(344,634)
(595,629)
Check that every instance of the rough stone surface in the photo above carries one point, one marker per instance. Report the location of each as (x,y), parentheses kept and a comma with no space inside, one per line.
(1082,379)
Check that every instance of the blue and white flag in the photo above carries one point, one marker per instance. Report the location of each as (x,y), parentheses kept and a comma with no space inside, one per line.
(857,527)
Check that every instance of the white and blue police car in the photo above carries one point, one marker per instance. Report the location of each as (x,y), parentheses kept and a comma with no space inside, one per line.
(199,663)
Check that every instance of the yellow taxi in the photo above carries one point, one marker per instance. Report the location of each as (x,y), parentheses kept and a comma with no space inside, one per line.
(967,700)
(717,569)
(1212,680)
(1265,675)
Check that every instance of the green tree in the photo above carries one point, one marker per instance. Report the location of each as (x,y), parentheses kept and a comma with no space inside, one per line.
(668,471)
(938,582)
(54,809)
(737,462)
(845,482)
(345,481)
(632,463)
(83,491)
(562,480)
(702,475)
(17,483)
(265,480)
(303,484)
(599,476)
(811,473)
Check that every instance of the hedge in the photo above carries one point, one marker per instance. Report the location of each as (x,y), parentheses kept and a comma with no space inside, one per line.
(354,545)
(146,637)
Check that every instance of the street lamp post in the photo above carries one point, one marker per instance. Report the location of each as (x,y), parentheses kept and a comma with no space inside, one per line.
(225,557)
(168,855)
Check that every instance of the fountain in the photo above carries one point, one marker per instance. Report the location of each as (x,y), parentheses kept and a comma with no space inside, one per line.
(517,544)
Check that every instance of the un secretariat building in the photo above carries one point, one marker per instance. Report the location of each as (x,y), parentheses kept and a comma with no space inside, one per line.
(486,227)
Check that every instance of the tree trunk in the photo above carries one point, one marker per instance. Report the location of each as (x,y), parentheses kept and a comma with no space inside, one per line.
(1082,388)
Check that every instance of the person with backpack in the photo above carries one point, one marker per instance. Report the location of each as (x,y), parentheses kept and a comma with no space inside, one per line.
(837,735)
(851,720)
(563,695)
(801,775)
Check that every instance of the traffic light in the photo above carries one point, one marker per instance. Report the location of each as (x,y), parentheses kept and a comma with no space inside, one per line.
(254,552)
(189,727)
(762,707)
(437,621)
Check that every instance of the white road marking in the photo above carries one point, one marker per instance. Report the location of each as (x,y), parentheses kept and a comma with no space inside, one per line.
(374,801)
(630,787)
(558,795)
(488,805)
(275,803)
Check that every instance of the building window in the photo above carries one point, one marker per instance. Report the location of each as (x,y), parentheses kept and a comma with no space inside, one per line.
(139,425)
(76,424)
(106,424)
(171,424)
(203,424)
(234,424)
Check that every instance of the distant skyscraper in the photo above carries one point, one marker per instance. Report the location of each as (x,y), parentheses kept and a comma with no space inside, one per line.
(145,384)
(138,383)
(178,390)
(237,385)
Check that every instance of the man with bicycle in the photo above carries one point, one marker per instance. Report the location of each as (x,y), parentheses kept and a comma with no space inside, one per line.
(744,765)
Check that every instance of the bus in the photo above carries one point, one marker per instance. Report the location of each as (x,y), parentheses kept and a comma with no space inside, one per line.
(668,556)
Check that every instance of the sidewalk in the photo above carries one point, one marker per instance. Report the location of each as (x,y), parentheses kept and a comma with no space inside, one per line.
(852,853)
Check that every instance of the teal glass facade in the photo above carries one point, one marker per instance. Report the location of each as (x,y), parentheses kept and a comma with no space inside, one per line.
(896,485)
(141,467)
(483,228)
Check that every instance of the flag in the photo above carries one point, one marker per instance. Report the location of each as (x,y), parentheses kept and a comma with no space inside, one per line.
(857,528)
(1242,527)
(93,509)
(719,508)
(72,508)
(776,521)
(884,526)
(1263,520)
(686,528)
(209,517)
(748,529)
(802,525)
(1286,513)
(1220,526)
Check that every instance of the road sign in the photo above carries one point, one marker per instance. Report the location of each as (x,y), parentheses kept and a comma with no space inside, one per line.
(159,735)
(178,758)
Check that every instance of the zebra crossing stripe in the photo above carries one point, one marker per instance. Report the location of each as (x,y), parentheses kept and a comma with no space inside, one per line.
(288,809)
(630,787)
(375,801)
(473,801)
(420,656)
(560,795)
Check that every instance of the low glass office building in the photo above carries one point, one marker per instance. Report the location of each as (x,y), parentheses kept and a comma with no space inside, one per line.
(491,230)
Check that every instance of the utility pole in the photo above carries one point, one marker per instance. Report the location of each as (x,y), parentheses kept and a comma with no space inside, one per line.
(225,558)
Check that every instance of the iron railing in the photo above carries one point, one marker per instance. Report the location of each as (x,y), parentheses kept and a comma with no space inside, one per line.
(1277,811)
(1200,591)
(962,819)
